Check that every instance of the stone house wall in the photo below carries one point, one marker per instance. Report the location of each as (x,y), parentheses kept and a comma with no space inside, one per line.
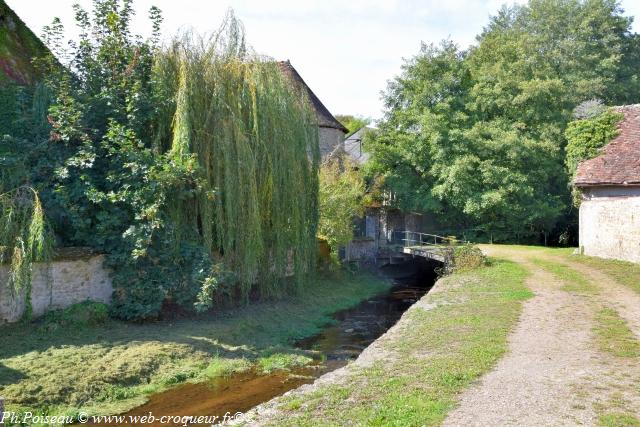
(610,223)
(58,284)
(330,139)
(364,249)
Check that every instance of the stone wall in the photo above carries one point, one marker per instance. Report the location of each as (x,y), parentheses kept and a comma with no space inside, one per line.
(610,223)
(330,139)
(58,284)
(364,249)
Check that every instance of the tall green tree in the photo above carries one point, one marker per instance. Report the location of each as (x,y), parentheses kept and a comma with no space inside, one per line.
(194,166)
(478,136)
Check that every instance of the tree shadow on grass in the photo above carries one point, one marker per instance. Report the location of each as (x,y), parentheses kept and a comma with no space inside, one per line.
(9,376)
(245,333)
(19,340)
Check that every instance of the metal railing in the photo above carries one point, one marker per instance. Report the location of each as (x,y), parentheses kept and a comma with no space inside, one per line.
(413,238)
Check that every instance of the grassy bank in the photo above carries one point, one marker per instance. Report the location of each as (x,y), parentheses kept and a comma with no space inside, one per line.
(445,342)
(62,368)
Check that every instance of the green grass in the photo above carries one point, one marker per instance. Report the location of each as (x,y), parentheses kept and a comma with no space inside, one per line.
(282,361)
(618,420)
(611,331)
(221,367)
(113,366)
(430,361)
(625,273)
(614,336)
(573,281)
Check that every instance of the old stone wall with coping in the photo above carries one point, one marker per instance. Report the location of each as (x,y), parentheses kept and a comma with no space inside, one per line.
(58,284)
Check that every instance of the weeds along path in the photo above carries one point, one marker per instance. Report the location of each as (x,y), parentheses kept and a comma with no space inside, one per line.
(557,370)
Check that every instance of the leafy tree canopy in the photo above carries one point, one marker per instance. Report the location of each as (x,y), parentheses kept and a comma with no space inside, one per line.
(477,136)
(194,166)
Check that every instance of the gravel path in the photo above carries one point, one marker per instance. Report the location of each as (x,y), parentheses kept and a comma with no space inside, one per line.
(553,374)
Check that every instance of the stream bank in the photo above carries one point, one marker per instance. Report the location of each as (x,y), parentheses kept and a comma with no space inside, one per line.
(342,341)
(125,363)
(414,373)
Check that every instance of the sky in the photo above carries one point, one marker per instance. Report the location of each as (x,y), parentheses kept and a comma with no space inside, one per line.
(346,50)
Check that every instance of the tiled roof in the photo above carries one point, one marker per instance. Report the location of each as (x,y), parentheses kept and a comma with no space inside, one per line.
(619,163)
(18,46)
(325,118)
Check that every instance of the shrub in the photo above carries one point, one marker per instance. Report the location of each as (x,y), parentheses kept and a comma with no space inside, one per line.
(78,315)
(341,195)
(468,257)
(463,258)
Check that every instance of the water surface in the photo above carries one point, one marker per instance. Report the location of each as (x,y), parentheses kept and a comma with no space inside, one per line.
(354,329)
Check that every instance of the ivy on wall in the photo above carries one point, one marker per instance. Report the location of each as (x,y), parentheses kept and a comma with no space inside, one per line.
(586,137)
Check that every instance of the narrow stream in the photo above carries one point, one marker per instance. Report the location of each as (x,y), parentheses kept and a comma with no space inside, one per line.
(339,343)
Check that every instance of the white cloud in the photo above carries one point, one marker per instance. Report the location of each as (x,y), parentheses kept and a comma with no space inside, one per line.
(346,50)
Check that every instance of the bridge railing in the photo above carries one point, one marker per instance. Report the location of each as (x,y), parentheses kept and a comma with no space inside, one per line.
(413,238)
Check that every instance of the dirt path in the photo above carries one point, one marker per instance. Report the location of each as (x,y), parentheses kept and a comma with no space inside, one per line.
(553,374)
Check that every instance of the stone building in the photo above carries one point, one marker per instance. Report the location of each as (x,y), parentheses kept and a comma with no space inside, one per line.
(331,131)
(382,223)
(610,187)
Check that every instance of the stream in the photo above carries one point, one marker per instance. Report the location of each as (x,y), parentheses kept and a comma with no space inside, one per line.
(353,330)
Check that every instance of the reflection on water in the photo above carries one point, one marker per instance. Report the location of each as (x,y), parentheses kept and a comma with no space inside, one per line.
(352,332)
(358,327)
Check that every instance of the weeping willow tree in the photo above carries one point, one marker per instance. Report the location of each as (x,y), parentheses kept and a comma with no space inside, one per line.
(255,138)
(24,238)
(24,235)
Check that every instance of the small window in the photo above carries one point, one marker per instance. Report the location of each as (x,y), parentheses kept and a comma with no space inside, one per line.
(359,227)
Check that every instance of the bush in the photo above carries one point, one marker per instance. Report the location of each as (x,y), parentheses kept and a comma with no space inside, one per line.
(463,258)
(78,315)
(468,257)
(340,197)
